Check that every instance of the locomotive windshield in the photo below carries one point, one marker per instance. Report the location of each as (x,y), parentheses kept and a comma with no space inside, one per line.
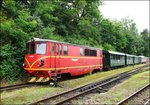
(38,48)
(41,48)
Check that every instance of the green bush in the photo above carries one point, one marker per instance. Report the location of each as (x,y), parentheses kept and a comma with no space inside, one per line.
(8,65)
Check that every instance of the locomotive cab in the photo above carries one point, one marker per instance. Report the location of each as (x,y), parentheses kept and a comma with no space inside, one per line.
(36,60)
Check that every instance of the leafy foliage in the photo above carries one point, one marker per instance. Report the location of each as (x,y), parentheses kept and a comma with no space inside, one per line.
(74,21)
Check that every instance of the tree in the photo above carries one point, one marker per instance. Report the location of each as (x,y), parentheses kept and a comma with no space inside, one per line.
(145,35)
(131,33)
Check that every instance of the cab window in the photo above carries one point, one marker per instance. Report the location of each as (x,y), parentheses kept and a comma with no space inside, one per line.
(41,48)
(32,46)
(27,48)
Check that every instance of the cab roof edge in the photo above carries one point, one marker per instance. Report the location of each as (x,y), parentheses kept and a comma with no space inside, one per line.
(47,40)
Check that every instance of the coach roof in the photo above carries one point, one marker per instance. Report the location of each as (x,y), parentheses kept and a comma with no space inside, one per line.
(130,55)
(117,53)
(112,52)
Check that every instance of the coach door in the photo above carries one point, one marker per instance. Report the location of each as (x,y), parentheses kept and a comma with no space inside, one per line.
(52,59)
(56,50)
(58,55)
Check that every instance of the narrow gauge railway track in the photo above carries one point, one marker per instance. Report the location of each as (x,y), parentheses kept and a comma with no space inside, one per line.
(13,87)
(147,102)
(67,96)
(136,97)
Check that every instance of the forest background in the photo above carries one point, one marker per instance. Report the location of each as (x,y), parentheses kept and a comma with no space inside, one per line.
(74,21)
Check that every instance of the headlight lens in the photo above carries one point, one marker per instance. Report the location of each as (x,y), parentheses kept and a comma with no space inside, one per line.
(23,65)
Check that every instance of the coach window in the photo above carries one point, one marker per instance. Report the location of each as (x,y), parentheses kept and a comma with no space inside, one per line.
(111,56)
(81,52)
(52,48)
(65,50)
(116,57)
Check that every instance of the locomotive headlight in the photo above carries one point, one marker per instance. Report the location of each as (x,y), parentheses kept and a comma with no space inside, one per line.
(23,64)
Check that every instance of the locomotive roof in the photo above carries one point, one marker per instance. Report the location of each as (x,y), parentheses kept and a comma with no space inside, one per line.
(44,40)
(47,40)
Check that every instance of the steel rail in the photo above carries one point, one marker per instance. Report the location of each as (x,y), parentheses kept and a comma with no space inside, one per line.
(103,85)
(133,95)
(73,93)
(147,102)
(13,87)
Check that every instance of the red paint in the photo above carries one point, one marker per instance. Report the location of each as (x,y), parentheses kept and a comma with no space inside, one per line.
(75,64)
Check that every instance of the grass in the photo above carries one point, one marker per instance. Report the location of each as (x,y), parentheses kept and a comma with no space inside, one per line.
(119,92)
(96,77)
(23,96)
(32,94)
(128,87)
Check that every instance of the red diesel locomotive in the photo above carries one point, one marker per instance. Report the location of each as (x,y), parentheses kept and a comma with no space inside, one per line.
(48,59)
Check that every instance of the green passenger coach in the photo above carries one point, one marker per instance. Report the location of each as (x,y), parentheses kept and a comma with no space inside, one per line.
(137,59)
(129,59)
(113,59)
(116,59)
